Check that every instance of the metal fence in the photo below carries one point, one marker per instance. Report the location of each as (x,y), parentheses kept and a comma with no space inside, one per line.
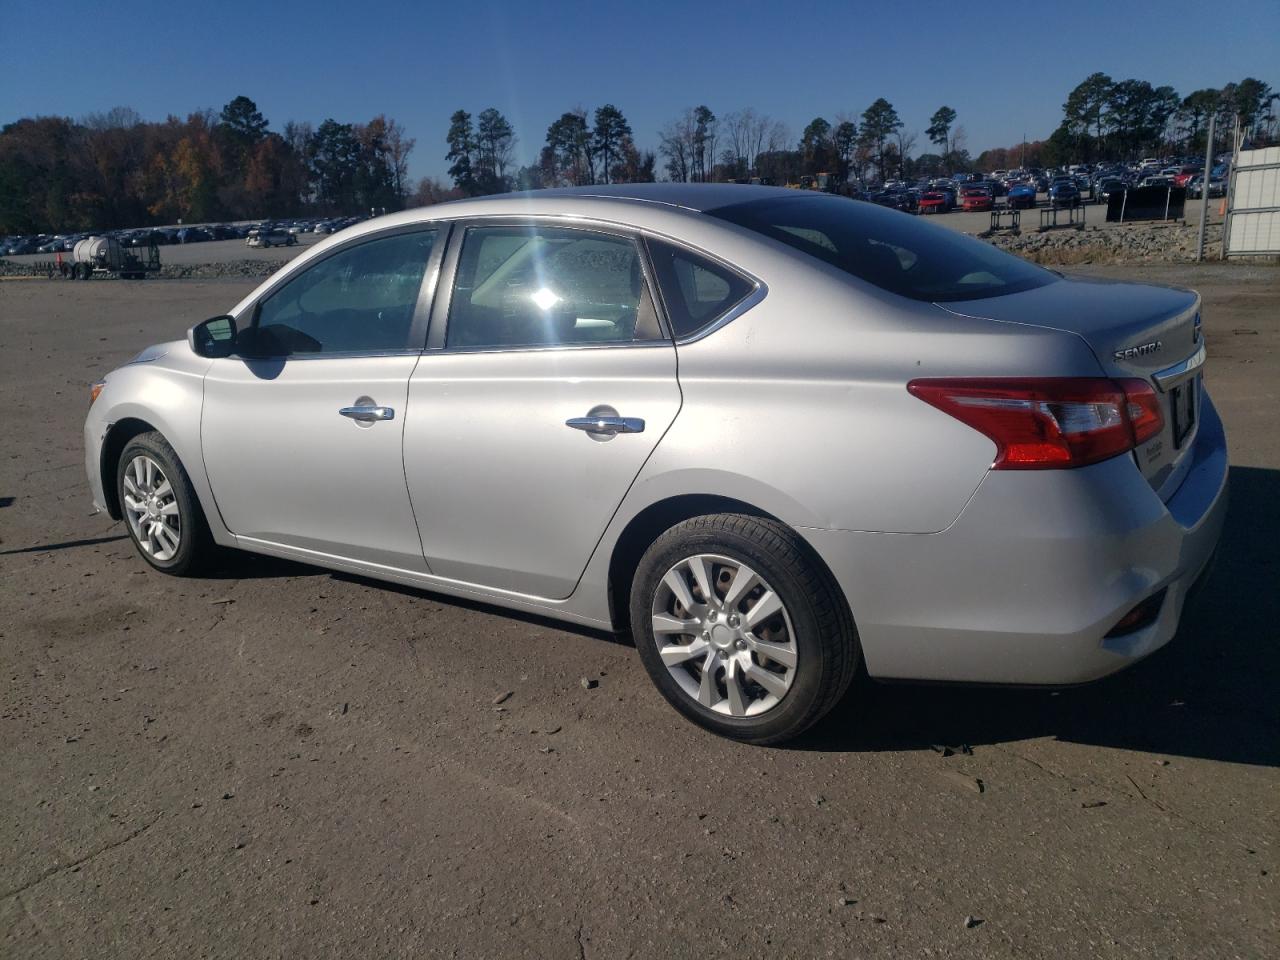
(1253,205)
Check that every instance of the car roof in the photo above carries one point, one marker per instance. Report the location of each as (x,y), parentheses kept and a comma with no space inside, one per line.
(698,197)
(657,206)
(666,209)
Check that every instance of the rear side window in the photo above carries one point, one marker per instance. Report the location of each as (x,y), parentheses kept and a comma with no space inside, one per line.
(697,291)
(894,251)
(548,286)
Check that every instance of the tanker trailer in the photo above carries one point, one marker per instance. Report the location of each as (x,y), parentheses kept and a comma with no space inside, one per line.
(106,255)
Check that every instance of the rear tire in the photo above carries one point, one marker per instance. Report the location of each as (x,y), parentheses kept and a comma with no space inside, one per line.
(773,650)
(160,507)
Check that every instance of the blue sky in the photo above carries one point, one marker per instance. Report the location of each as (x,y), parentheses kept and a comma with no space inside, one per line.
(1004,67)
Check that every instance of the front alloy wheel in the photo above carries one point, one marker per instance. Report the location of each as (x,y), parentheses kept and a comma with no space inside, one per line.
(151,507)
(160,507)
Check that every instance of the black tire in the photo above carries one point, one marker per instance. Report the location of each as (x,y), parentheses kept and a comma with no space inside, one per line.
(196,548)
(826,639)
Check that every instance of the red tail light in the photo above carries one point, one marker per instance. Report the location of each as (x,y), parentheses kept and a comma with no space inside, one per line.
(1047,422)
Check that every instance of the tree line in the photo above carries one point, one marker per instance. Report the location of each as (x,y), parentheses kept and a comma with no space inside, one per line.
(115,170)
(582,149)
(1105,119)
(1102,120)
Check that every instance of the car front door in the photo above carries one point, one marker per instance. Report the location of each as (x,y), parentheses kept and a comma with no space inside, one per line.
(547,383)
(302,430)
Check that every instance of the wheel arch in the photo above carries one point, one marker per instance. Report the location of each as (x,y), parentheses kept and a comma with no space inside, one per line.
(113,444)
(658,517)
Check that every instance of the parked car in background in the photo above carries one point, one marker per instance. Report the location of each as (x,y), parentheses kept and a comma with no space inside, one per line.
(1022,196)
(1064,192)
(1054,485)
(934,201)
(1217,186)
(193,235)
(949,188)
(142,238)
(1109,188)
(901,199)
(975,198)
(270,236)
(21,246)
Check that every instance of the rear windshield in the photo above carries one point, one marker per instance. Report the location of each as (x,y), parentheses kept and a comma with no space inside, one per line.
(894,251)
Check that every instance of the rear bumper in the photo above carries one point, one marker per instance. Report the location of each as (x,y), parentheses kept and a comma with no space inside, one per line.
(1024,586)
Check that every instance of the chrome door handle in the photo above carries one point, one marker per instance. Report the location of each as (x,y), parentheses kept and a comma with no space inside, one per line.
(606,425)
(367,413)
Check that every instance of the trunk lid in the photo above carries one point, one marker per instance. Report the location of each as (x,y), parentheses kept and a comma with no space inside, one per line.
(1134,330)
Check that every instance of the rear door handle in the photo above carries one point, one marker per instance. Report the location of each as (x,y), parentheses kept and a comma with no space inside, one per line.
(367,413)
(606,426)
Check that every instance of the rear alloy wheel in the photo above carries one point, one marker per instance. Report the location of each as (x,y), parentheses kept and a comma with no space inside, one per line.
(160,507)
(741,628)
(724,635)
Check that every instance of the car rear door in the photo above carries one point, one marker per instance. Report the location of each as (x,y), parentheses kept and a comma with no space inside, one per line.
(548,381)
(302,430)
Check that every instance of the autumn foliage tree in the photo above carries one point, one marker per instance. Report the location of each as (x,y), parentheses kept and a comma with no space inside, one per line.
(113,169)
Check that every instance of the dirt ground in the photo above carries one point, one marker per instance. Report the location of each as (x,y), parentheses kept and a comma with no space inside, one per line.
(284,762)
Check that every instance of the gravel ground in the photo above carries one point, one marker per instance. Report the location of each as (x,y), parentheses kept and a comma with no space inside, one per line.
(283,762)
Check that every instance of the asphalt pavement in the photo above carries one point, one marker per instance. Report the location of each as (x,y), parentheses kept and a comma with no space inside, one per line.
(279,761)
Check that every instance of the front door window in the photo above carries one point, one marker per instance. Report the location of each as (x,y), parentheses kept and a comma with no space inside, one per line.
(359,300)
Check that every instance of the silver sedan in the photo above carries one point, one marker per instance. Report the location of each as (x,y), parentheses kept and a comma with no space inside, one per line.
(775,435)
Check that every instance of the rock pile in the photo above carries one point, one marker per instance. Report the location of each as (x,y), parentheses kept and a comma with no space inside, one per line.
(1119,243)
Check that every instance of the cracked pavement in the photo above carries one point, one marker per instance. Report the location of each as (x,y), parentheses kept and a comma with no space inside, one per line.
(278,761)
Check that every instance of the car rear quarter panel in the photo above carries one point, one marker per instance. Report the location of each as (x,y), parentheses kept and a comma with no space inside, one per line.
(799,408)
(806,395)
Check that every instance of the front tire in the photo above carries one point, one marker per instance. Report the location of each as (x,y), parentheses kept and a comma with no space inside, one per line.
(741,628)
(160,507)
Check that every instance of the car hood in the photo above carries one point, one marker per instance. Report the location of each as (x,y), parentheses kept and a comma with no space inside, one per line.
(153,352)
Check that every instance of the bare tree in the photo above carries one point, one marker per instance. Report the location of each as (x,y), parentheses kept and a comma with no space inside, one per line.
(398,149)
(117,118)
(676,143)
(906,143)
(734,127)
(762,134)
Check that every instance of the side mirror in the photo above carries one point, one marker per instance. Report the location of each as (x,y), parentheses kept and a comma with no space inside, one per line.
(215,337)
